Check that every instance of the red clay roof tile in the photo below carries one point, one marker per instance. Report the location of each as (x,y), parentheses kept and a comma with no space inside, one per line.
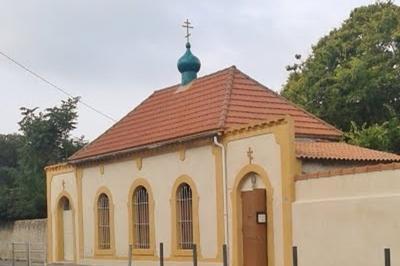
(341,151)
(218,101)
(349,171)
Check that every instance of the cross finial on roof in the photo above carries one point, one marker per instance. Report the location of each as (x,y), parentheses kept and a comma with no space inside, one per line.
(187,25)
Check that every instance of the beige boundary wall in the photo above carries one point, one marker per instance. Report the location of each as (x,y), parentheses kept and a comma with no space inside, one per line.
(33,231)
(348,219)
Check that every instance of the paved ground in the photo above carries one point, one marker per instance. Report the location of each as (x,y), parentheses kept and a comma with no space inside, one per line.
(17,263)
(64,264)
(24,263)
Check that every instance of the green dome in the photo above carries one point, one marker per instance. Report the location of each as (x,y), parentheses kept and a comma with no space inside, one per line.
(188,65)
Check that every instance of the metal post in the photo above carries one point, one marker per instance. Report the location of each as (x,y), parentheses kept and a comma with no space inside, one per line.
(130,255)
(194,255)
(225,255)
(387,257)
(28,253)
(295,256)
(13,254)
(161,254)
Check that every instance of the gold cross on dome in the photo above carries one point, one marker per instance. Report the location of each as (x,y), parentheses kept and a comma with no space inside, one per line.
(250,155)
(187,25)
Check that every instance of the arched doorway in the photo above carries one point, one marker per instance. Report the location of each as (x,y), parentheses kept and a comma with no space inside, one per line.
(251,178)
(253,221)
(65,238)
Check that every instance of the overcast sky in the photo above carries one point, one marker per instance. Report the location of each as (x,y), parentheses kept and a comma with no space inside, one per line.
(115,53)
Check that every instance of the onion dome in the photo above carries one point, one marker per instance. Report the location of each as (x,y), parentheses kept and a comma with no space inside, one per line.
(188,66)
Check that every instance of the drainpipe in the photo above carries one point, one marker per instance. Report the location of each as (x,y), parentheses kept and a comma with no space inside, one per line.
(225,186)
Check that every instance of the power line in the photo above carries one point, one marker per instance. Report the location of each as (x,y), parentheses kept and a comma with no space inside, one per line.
(55,86)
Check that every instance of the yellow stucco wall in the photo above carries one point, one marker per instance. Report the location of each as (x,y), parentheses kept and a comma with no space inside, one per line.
(273,160)
(266,153)
(347,220)
(161,172)
(62,184)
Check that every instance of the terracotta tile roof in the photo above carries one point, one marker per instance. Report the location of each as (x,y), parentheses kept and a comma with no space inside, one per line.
(349,171)
(214,102)
(341,151)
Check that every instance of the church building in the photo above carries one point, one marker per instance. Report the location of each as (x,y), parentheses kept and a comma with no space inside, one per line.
(223,160)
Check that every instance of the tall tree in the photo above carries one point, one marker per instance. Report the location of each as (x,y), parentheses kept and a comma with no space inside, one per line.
(9,145)
(45,139)
(354,71)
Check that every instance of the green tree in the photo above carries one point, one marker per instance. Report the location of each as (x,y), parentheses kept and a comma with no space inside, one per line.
(385,136)
(45,139)
(353,72)
(9,145)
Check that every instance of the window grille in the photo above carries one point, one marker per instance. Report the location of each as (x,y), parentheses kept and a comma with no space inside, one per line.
(141,218)
(103,213)
(184,217)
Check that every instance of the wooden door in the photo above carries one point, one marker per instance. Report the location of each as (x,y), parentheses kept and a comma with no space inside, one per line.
(254,234)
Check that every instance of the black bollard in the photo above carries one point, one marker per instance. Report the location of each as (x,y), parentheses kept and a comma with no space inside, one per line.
(387,257)
(130,255)
(161,254)
(194,255)
(295,256)
(225,255)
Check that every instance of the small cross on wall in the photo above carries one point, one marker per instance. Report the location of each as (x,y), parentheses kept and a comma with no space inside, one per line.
(250,155)
(63,185)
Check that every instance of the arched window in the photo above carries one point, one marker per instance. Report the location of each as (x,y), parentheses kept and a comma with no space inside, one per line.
(184,216)
(103,216)
(141,219)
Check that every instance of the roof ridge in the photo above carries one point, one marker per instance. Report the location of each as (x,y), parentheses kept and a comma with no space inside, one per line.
(289,102)
(227,97)
(199,78)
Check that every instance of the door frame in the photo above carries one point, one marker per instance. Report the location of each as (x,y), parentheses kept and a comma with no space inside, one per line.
(237,243)
(59,227)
